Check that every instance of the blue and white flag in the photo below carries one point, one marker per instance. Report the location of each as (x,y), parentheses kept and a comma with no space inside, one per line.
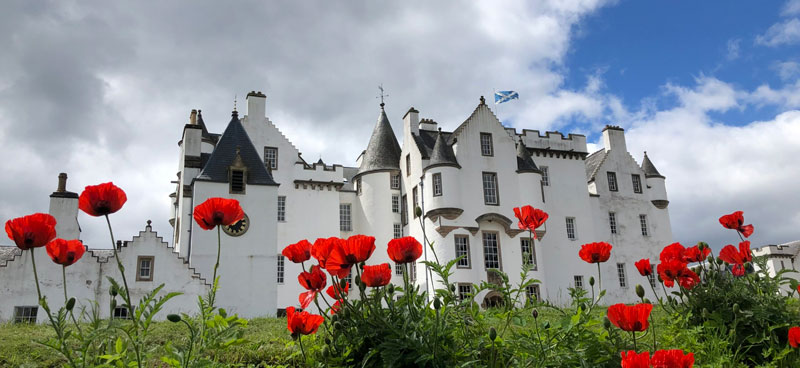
(504,96)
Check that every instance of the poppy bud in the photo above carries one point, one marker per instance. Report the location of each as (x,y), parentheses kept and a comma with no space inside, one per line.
(639,291)
(223,312)
(535,313)
(660,279)
(327,341)
(343,284)
(417,211)
(113,290)
(390,289)
(437,303)
(736,308)
(546,325)
(492,331)
(358,280)
(337,325)
(582,306)
(452,288)
(719,261)
(647,301)
(591,281)
(113,304)
(606,323)
(711,259)
(70,304)
(174,318)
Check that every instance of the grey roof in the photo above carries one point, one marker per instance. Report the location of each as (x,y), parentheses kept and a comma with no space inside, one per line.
(442,153)
(649,169)
(593,162)
(524,160)
(383,151)
(216,169)
(426,140)
(348,173)
(202,124)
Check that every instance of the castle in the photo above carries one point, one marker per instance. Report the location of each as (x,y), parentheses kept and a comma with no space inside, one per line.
(465,181)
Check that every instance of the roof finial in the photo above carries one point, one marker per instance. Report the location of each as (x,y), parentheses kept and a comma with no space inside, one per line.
(483,101)
(234,102)
(382,94)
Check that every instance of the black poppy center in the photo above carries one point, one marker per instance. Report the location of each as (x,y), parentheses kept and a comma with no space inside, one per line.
(351,259)
(30,237)
(217,217)
(102,207)
(595,258)
(637,326)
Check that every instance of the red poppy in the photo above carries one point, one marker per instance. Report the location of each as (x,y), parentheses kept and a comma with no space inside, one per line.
(737,258)
(644,267)
(404,250)
(673,270)
(688,279)
(65,252)
(375,276)
(314,282)
(530,218)
(595,252)
(302,323)
(672,251)
(694,254)
(298,252)
(672,359)
(794,337)
(218,211)
(735,221)
(631,359)
(103,199)
(322,248)
(340,294)
(798,289)
(357,249)
(630,318)
(32,231)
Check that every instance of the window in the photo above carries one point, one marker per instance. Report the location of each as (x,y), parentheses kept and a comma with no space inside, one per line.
(571,228)
(408,164)
(271,158)
(26,314)
(395,204)
(349,278)
(545,175)
(412,269)
(623,281)
(612,181)
(121,313)
(237,181)
(144,268)
(612,222)
(578,281)
(358,186)
(345,223)
(637,183)
(281,208)
(281,269)
(398,231)
(490,196)
(491,251)
(404,209)
(486,144)
(416,200)
(528,253)
(437,184)
(783,266)
(462,249)
(395,181)
(398,268)
(464,291)
(533,293)
(643,223)
(652,277)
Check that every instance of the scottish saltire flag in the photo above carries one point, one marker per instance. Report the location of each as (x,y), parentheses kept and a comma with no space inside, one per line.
(504,96)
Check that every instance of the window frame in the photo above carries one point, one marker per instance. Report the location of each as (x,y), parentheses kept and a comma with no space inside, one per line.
(120,310)
(613,184)
(345,222)
(574,224)
(139,260)
(231,184)
(408,164)
(404,209)
(537,293)
(468,258)
(437,186)
(636,180)
(612,222)
(394,181)
(395,203)
(545,175)
(20,315)
(462,296)
(397,231)
(652,276)
(531,253)
(281,209)
(489,151)
(415,200)
(267,149)
(496,188)
(497,247)
(280,269)
(577,281)
(622,275)
(643,224)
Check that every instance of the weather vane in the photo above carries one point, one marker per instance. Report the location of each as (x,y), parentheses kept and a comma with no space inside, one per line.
(234,101)
(382,95)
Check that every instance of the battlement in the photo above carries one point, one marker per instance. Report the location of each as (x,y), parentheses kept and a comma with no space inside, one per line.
(554,140)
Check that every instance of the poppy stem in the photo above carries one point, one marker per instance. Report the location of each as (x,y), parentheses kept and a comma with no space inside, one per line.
(216,266)
(300,340)
(66,299)
(43,303)
(126,295)
(633,333)
(36,276)
(599,281)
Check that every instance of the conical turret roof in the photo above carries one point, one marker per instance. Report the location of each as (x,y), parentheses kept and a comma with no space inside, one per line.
(383,151)
(442,153)
(524,160)
(649,169)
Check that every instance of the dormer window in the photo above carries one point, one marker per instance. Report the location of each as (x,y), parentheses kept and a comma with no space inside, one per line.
(237,174)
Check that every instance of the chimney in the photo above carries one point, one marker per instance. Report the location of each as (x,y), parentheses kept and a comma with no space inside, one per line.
(256,105)
(64,207)
(193,117)
(411,121)
(614,139)
(62,183)
(427,124)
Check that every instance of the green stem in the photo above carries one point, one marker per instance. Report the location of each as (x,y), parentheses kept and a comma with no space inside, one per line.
(66,299)
(305,359)
(599,280)
(43,303)
(633,333)
(213,294)
(126,295)
(36,276)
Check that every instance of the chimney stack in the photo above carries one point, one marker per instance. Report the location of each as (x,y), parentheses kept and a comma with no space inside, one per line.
(62,183)
(64,207)
(193,117)
(256,105)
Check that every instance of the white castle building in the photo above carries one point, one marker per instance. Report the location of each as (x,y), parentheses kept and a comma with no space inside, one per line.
(466,181)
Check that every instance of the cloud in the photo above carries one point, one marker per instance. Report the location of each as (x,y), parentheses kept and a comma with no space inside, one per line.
(786,32)
(734,48)
(787,69)
(792,7)
(787,97)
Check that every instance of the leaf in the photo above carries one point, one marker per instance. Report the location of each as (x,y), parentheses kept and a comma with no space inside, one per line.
(118,345)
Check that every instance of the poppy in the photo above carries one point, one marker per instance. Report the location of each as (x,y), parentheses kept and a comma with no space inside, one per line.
(322,248)
(375,276)
(694,254)
(794,337)
(630,318)
(298,252)
(595,252)
(338,296)
(735,221)
(343,255)
(65,252)
(672,359)
(737,258)
(102,199)
(688,279)
(32,231)
(302,323)
(218,211)
(314,282)
(404,250)
(530,218)
(675,270)
(631,359)
(644,267)
(672,251)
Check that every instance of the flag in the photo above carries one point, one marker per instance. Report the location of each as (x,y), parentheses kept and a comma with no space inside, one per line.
(504,96)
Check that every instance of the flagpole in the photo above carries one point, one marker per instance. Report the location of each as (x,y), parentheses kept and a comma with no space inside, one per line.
(496,106)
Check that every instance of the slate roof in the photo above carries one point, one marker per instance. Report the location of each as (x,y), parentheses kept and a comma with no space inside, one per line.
(593,162)
(524,160)
(383,151)
(426,139)
(442,153)
(649,169)
(348,173)
(202,124)
(216,169)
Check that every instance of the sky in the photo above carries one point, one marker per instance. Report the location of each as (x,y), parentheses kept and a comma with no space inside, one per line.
(101,90)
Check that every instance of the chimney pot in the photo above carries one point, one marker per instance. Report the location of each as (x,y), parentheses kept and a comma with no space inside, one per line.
(193,117)
(62,183)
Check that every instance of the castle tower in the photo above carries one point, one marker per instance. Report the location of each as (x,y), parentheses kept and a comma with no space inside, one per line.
(656,182)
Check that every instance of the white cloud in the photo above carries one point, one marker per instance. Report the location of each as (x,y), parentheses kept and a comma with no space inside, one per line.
(734,48)
(792,7)
(786,32)
(710,94)
(787,69)
(786,97)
